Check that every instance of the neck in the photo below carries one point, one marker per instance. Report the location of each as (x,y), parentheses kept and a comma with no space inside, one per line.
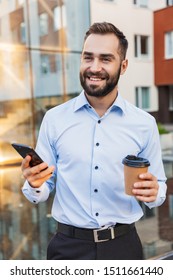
(102,104)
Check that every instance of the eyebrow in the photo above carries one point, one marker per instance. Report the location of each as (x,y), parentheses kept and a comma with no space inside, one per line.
(103,55)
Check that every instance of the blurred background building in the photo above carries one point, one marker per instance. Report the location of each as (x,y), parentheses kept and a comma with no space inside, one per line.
(40,48)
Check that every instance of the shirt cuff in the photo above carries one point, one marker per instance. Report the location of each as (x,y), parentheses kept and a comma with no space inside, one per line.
(35,195)
(161,196)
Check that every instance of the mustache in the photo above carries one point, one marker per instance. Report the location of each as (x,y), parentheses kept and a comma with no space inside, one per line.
(100,75)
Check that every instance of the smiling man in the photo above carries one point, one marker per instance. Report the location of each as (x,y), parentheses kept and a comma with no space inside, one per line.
(82,143)
(100,71)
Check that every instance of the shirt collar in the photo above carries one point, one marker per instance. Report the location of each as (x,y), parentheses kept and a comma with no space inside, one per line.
(81,101)
(120,103)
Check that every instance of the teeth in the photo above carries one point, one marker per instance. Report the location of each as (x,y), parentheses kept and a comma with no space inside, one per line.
(95,79)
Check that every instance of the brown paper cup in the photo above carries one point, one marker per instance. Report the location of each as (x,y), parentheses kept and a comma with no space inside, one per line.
(131,176)
(133,166)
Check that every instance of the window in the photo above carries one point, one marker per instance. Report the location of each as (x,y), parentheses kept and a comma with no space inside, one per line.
(171,206)
(58,21)
(169,45)
(171,98)
(141,46)
(23,32)
(43,20)
(141,3)
(57,18)
(45,65)
(169,2)
(168,166)
(143,97)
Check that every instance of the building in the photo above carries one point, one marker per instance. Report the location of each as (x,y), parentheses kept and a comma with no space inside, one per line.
(163,52)
(135,19)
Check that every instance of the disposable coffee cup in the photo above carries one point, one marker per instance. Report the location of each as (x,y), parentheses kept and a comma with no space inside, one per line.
(133,166)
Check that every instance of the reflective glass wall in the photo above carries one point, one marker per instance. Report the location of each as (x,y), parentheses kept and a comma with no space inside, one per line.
(40,46)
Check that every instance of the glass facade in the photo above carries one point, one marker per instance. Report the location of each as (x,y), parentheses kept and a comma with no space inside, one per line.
(40,47)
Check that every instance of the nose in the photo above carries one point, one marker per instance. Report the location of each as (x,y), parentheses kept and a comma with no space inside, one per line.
(95,65)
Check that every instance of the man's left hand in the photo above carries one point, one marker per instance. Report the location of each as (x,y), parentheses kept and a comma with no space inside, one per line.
(147,189)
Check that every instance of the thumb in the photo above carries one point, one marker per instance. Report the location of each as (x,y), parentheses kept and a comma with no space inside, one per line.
(25,162)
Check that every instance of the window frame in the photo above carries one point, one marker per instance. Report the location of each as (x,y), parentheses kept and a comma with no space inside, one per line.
(138,46)
(169,3)
(139,92)
(169,44)
(171,98)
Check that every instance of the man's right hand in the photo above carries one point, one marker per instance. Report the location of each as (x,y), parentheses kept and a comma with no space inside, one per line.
(36,175)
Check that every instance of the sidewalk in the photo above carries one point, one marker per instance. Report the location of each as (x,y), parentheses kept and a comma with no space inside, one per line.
(152,244)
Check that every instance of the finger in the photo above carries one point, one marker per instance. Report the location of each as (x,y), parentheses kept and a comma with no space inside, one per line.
(32,174)
(146,184)
(41,172)
(147,176)
(38,179)
(38,168)
(146,198)
(25,162)
(145,192)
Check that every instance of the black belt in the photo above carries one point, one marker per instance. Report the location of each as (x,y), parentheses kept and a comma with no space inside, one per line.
(96,235)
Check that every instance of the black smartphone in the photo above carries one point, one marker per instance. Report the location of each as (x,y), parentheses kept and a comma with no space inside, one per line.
(25,150)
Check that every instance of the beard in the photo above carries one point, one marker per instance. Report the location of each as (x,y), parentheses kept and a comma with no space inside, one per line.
(96,90)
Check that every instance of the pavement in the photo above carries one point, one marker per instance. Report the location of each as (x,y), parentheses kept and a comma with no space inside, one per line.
(152,244)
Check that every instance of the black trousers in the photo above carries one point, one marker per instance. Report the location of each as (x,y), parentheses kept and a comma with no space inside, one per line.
(124,247)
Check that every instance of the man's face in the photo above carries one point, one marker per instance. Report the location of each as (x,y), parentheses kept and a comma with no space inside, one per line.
(100,65)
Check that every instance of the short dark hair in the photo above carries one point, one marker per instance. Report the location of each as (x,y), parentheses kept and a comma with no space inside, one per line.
(103,28)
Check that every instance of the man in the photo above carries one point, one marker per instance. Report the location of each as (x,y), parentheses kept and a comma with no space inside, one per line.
(83,142)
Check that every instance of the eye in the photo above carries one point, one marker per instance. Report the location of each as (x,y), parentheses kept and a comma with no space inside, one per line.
(87,58)
(106,59)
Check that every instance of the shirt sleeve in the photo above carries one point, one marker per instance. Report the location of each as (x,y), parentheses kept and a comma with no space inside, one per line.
(45,150)
(152,151)
(161,196)
(35,195)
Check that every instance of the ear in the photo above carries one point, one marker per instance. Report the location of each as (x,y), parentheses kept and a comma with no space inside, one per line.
(124,65)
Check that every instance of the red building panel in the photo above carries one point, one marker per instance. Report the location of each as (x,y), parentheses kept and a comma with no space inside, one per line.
(163,22)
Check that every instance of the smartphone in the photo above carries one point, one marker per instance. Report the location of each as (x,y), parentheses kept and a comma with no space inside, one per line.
(25,150)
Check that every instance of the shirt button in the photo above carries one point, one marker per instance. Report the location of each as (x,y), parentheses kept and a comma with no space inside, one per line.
(97,214)
(99,121)
(96,167)
(97,144)
(37,191)
(96,190)
(34,201)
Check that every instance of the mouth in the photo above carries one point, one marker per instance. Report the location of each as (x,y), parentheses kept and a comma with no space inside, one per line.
(95,78)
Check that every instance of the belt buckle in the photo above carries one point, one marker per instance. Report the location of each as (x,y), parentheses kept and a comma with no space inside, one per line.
(95,232)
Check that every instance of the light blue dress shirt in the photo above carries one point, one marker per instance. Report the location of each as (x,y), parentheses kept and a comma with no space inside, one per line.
(87,151)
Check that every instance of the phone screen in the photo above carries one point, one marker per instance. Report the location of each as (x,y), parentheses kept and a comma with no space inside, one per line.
(25,150)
